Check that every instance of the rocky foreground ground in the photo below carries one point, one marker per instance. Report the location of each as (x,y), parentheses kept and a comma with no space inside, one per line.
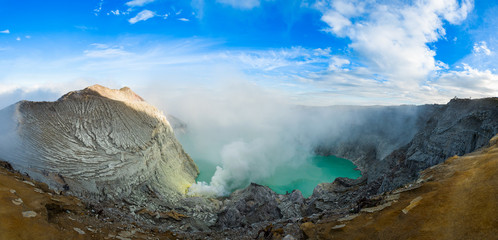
(457,199)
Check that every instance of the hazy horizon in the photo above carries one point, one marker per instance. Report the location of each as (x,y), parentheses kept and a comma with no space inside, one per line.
(306,52)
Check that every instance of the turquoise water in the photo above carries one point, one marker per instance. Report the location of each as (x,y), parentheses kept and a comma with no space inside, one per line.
(206,170)
(305,177)
(317,169)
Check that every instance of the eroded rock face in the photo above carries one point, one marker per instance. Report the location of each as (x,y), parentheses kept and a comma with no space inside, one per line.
(459,127)
(392,144)
(442,131)
(99,144)
(253,204)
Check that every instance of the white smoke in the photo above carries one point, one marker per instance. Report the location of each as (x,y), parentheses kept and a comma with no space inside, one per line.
(245,162)
(248,132)
(10,143)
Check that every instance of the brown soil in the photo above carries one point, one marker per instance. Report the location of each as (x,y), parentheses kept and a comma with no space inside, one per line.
(57,216)
(457,199)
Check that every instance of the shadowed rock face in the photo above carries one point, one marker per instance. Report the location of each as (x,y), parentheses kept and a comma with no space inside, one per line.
(99,144)
(442,131)
(391,146)
(459,127)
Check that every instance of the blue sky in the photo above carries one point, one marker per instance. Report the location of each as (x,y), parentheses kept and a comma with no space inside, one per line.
(312,52)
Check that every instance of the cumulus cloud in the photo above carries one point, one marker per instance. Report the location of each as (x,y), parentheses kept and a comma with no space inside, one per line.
(468,83)
(481,47)
(242,4)
(142,16)
(391,37)
(337,63)
(183,19)
(138,3)
(7,31)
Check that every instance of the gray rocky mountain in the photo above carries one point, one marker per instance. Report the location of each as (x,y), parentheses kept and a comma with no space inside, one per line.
(440,131)
(98,144)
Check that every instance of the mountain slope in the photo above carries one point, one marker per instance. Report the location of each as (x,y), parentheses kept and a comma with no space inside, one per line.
(99,144)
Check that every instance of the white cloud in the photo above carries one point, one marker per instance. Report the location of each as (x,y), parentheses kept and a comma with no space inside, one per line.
(117,12)
(337,63)
(289,63)
(100,45)
(183,19)
(28,37)
(337,22)
(142,16)
(18,39)
(303,76)
(242,4)
(454,12)
(482,47)
(7,31)
(391,37)
(441,65)
(469,82)
(97,10)
(85,28)
(105,51)
(138,3)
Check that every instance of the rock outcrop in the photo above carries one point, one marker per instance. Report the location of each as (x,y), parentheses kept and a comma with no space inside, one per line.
(253,204)
(392,144)
(452,200)
(439,132)
(98,144)
(460,127)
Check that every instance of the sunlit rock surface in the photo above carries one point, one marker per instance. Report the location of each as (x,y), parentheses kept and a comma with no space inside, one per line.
(97,143)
